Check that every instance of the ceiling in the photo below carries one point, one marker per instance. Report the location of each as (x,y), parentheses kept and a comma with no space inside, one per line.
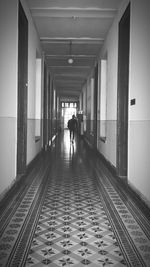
(74,28)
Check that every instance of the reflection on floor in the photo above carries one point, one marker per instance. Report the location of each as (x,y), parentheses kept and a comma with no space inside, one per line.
(70,211)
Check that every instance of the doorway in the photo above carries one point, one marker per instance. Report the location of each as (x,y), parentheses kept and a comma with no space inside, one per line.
(123,84)
(22,90)
(67,110)
(95,105)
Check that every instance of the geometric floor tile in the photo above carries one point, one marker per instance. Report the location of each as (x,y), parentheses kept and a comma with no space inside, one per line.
(73,214)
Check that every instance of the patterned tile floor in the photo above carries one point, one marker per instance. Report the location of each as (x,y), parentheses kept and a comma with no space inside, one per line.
(72,212)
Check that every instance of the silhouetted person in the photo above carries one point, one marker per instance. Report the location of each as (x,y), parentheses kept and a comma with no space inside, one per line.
(72,125)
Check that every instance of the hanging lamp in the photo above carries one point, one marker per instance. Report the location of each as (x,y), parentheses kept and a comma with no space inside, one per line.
(70,59)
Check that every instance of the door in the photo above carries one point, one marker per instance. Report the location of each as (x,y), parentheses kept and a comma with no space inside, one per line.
(122,106)
(22,91)
(45,109)
(95,104)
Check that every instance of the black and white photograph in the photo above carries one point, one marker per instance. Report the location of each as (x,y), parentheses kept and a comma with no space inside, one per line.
(75,133)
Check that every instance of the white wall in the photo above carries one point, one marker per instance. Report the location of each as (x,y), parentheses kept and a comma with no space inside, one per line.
(33,48)
(108,148)
(139,88)
(9,89)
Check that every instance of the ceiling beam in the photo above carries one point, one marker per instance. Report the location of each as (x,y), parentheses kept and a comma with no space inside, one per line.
(66,82)
(68,93)
(73,13)
(70,67)
(72,75)
(63,40)
(72,55)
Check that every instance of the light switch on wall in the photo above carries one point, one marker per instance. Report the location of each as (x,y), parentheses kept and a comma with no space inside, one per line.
(132,102)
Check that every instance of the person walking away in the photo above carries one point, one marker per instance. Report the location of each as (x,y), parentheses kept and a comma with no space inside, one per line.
(72,125)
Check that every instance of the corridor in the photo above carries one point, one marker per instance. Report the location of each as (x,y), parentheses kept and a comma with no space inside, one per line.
(70,211)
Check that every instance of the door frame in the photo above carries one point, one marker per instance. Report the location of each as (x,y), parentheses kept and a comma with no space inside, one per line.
(45,109)
(122,94)
(95,104)
(22,90)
